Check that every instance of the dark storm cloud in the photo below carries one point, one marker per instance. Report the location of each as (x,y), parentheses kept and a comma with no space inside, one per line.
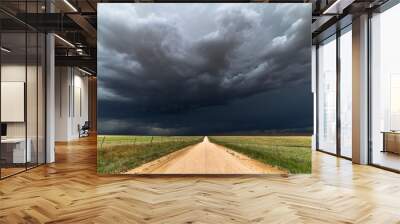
(162,66)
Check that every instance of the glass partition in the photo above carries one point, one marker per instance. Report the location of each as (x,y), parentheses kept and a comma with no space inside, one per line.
(327,95)
(22,78)
(14,153)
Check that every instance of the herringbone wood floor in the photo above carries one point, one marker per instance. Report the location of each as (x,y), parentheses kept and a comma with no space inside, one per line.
(70,191)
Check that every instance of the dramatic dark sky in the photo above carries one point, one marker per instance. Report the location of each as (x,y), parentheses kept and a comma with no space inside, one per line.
(175,69)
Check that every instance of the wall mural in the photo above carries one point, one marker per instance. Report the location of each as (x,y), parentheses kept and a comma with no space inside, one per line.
(204,88)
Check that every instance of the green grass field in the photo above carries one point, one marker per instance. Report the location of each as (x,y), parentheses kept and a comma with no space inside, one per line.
(292,153)
(117,154)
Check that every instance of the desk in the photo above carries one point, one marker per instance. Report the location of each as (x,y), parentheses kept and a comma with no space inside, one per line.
(391,142)
(13,150)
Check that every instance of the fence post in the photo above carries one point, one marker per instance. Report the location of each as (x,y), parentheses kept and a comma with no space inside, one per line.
(102,141)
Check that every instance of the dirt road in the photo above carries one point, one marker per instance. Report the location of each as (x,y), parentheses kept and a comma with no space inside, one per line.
(206,158)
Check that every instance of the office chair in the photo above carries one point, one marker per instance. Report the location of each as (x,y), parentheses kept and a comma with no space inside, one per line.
(84,130)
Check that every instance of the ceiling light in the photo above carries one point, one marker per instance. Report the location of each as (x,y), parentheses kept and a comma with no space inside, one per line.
(70,5)
(64,40)
(331,7)
(79,51)
(5,50)
(337,7)
(84,71)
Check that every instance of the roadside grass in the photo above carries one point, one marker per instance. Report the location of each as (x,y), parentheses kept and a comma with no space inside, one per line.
(117,154)
(292,153)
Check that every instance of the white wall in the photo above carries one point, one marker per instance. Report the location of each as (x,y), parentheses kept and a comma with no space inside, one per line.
(80,109)
(71,93)
(62,82)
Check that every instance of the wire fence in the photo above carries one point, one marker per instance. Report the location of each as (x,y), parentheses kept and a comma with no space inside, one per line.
(140,140)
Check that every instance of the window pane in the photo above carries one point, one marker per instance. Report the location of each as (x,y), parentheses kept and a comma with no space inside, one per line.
(346,94)
(327,96)
(385,93)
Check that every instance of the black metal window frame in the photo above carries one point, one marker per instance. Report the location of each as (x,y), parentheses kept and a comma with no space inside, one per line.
(387,5)
(337,30)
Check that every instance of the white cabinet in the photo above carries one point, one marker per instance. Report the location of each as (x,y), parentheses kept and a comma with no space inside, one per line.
(19,154)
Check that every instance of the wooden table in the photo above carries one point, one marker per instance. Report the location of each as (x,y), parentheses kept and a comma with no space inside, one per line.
(391,141)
